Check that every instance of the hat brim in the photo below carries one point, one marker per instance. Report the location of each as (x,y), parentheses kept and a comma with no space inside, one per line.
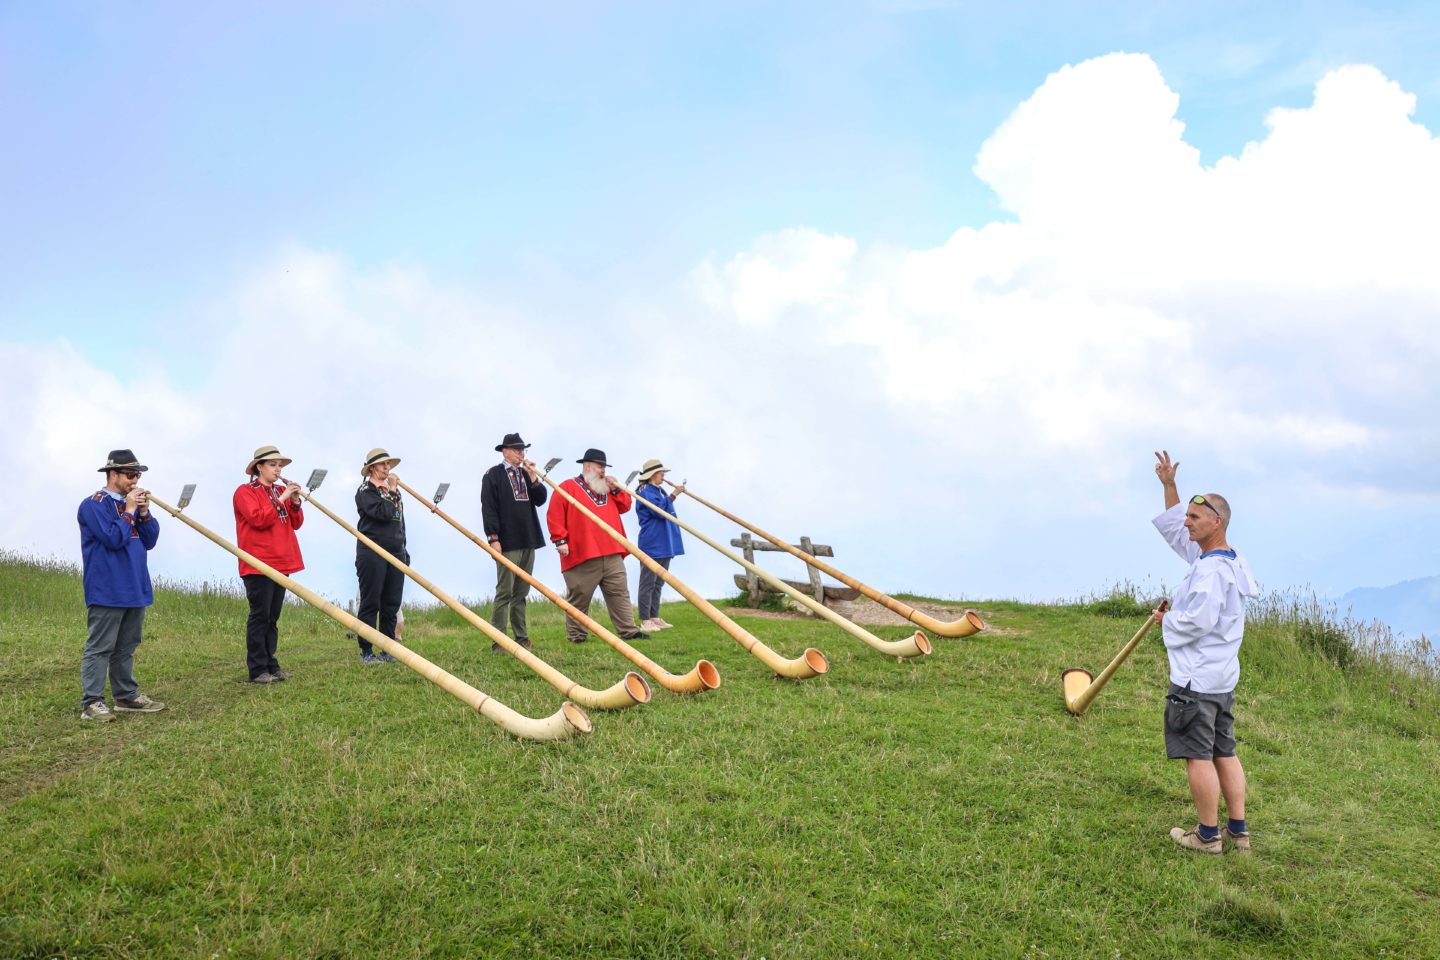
(602,462)
(122,467)
(284,462)
(365,470)
(650,473)
(512,446)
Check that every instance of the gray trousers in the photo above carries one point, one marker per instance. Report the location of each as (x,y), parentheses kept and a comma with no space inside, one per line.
(510,593)
(650,587)
(110,651)
(607,573)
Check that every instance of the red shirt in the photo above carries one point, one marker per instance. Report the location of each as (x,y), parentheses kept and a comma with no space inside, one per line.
(263,532)
(587,541)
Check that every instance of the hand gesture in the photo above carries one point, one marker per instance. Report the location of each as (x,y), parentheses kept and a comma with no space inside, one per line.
(563,548)
(143,501)
(292,490)
(134,499)
(1164,469)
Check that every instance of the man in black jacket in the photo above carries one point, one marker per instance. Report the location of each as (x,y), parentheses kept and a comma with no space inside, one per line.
(382,519)
(511,495)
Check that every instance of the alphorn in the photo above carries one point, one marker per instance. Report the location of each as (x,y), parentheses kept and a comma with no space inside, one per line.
(703,676)
(918,645)
(566,722)
(1080,689)
(968,625)
(809,664)
(630,690)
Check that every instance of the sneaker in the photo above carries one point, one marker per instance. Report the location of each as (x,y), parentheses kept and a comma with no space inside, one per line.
(1191,840)
(1239,842)
(279,675)
(97,711)
(651,626)
(138,704)
(386,658)
(662,624)
(264,678)
(369,659)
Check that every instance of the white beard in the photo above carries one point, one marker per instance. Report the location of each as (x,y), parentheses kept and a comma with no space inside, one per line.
(596,482)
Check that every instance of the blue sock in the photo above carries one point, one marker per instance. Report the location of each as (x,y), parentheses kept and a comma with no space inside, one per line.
(1209,833)
(1235,826)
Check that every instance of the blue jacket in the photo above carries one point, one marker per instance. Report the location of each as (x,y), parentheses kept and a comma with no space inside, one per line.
(658,537)
(114,549)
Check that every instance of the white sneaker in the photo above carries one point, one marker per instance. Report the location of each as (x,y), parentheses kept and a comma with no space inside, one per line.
(97,711)
(650,626)
(662,624)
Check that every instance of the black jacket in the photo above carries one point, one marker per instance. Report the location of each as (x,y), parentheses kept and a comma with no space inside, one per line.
(515,522)
(382,519)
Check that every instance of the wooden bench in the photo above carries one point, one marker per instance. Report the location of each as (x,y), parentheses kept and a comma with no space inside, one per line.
(839,599)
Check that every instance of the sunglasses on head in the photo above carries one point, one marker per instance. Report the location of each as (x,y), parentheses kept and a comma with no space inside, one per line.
(1204,503)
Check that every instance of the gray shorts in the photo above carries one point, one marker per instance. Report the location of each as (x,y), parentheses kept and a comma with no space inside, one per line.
(1199,726)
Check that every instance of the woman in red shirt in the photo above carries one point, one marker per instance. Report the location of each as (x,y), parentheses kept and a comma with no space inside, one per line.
(267,514)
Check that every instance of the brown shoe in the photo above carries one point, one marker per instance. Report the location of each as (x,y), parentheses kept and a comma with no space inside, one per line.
(1191,840)
(1239,842)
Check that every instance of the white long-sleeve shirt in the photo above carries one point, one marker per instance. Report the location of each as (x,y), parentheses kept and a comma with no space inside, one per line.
(1206,622)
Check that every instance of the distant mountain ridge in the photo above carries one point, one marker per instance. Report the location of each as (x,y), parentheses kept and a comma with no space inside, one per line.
(1411,607)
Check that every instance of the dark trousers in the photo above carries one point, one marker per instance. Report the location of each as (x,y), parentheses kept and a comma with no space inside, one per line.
(262,632)
(382,586)
(650,587)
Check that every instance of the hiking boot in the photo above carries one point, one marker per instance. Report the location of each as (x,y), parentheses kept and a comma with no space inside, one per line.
(263,678)
(386,658)
(96,710)
(1191,840)
(138,704)
(370,660)
(1239,842)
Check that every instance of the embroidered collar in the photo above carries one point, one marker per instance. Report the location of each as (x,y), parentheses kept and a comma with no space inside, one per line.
(269,492)
(1218,553)
(599,499)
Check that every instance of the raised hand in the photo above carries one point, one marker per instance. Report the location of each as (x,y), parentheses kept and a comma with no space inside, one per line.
(1164,469)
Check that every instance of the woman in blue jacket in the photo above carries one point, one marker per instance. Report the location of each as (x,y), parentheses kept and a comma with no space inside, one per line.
(660,538)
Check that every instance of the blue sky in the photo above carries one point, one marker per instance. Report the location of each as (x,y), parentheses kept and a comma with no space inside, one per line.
(573,166)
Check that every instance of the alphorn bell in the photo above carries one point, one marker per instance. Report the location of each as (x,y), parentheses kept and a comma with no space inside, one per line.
(809,664)
(703,676)
(1080,689)
(568,721)
(968,625)
(629,691)
(918,645)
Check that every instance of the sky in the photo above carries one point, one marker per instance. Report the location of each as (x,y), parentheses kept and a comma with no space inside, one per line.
(925,281)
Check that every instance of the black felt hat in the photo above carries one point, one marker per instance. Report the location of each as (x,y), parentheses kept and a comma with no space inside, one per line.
(123,460)
(593,456)
(512,440)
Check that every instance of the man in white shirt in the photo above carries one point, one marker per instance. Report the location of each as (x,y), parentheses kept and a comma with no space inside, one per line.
(1203,631)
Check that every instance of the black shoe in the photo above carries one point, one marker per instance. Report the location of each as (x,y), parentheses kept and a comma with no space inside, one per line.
(581,640)
(526,644)
(494,648)
(638,635)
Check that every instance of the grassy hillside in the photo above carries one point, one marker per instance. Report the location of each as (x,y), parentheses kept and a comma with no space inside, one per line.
(936,809)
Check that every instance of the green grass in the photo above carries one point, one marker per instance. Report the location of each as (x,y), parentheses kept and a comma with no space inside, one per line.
(944,808)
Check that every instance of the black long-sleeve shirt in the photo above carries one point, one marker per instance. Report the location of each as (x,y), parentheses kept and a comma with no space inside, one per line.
(511,511)
(382,519)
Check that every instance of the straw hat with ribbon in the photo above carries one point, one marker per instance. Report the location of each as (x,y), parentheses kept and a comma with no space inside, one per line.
(268,452)
(378,455)
(651,468)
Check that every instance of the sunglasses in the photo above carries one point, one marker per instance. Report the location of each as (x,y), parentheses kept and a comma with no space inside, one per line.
(1204,503)
(130,474)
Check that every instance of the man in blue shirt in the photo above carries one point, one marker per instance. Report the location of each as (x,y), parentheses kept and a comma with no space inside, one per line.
(116,532)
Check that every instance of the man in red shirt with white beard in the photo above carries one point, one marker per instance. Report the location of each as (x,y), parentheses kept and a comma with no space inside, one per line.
(588,557)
